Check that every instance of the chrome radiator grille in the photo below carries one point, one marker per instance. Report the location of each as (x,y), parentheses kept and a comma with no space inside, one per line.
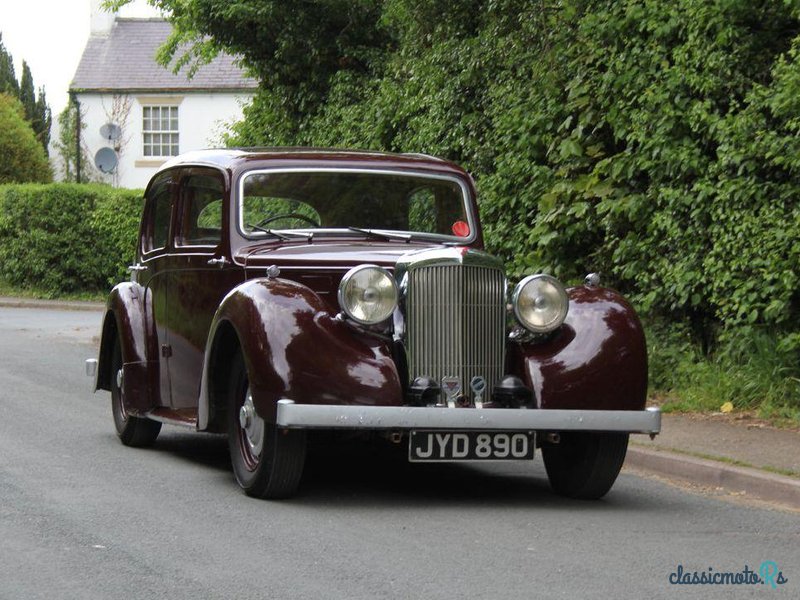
(455,323)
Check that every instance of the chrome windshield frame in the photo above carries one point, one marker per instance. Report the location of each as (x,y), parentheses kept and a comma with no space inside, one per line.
(467,199)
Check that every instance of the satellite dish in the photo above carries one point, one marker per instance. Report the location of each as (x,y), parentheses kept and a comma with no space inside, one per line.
(111,131)
(106,160)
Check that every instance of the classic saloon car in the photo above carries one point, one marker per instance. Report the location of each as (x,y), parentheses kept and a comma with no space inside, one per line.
(280,291)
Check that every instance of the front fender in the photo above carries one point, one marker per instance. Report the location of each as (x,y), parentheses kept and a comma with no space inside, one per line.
(294,348)
(125,320)
(598,360)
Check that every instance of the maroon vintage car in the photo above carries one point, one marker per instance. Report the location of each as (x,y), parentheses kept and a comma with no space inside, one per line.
(280,291)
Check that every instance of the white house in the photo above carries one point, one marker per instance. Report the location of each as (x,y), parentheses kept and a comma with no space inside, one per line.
(138,113)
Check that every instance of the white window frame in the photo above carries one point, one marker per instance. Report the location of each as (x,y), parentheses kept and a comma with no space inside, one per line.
(160,130)
(157,149)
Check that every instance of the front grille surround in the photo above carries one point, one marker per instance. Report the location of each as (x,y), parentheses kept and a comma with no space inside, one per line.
(454,306)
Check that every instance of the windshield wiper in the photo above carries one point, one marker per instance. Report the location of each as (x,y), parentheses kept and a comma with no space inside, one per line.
(280,236)
(284,235)
(383,235)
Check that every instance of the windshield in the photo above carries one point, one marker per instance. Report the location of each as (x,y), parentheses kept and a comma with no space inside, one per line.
(348,201)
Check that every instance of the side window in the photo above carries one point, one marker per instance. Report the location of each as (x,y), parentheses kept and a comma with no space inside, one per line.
(159,212)
(201,210)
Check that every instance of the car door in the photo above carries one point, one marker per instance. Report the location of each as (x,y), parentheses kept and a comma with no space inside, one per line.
(203,274)
(152,273)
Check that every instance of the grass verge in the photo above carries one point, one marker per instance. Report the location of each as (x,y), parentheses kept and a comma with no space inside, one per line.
(748,369)
(8,290)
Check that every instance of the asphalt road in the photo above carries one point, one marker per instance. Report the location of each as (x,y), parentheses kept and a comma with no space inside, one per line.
(83,517)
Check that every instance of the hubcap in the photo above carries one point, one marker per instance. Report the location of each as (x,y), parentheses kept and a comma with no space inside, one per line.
(252,426)
(121,403)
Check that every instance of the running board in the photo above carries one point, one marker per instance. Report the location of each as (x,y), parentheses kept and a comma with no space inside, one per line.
(182,417)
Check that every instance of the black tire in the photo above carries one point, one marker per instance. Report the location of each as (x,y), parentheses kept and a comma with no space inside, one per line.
(132,431)
(273,468)
(585,465)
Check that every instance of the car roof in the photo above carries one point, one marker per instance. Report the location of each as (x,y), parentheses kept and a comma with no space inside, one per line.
(239,158)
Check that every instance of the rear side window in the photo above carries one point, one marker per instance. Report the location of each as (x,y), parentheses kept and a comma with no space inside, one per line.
(159,213)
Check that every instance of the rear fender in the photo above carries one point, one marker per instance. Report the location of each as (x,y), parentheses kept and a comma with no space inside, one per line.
(293,348)
(125,319)
(598,360)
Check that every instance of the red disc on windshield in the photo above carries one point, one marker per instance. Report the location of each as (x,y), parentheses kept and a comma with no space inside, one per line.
(461,229)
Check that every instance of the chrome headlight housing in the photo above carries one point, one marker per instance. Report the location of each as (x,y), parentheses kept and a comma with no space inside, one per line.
(540,303)
(368,294)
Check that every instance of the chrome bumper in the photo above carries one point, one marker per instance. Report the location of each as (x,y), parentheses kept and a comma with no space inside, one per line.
(330,416)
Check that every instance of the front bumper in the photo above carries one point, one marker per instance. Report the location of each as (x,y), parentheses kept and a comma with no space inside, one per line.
(331,416)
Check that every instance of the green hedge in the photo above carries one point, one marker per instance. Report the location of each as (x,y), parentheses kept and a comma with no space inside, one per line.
(64,238)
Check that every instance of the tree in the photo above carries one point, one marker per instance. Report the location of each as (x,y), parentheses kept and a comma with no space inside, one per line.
(8,78)
(24,159)
(27,95)
(35,109)
(42,120)
(37,113)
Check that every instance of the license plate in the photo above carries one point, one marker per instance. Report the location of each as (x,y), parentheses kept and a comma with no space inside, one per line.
(451,446)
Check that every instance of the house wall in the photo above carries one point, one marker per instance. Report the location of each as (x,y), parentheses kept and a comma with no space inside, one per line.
(202,119)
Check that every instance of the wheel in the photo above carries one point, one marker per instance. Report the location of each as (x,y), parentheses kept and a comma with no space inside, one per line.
(297,216)
(133,431)
(267,462)
(585,465)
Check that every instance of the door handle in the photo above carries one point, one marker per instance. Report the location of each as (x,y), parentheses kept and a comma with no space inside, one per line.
(221,262)
(137,267)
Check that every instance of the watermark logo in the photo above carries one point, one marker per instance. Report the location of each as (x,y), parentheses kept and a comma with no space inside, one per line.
(770,574)
(767,574)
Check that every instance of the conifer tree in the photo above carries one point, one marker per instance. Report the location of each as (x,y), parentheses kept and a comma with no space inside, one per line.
(27,95)
(35,109)
(8,78)
(42,120)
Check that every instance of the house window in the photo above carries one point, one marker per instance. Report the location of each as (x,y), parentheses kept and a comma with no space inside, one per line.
(160,129)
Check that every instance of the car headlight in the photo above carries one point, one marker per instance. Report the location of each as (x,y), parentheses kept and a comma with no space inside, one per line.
(540,303)
(368,294)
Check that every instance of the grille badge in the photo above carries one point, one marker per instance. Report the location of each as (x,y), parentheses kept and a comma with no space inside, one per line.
(452,388)
(478,387)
